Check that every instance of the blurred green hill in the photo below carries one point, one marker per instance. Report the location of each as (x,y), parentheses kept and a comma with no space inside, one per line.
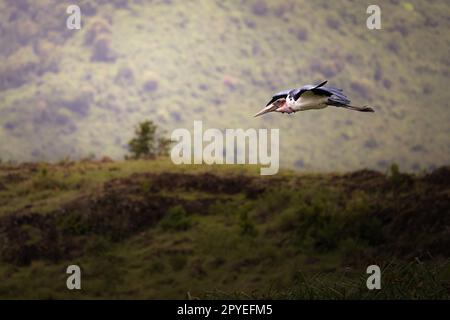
(69,93)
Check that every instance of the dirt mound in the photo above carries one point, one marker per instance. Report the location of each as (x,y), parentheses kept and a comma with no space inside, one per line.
(24,238)
(113,216)
(416,220)
(361,180)
(203,182)
(12,178)
(206,182)
(364,175)
(417,226)
(124,207)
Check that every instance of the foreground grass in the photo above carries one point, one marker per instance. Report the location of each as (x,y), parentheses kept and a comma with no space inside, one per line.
(413,280)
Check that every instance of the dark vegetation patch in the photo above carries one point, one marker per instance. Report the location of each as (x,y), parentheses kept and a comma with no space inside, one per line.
(12,178)
(125,207)
(65,233)
(440,176)
(368,213)
(205,182)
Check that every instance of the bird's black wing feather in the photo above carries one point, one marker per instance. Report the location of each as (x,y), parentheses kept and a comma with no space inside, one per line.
(298,92)
(321,84)
(279,95)
(335,95)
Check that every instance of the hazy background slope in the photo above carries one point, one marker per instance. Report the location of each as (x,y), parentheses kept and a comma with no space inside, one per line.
(75,93)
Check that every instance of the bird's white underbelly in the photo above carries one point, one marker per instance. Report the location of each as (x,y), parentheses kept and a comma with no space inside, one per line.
(309,103)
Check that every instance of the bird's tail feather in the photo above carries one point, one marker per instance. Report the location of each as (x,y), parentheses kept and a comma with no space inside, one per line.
(360,109)
(343,102)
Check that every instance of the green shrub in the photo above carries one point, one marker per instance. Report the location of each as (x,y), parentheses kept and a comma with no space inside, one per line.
(247,226)
(287,220)
(97,245)
(274,201)
(397,179)
(73,224)
(147,143)
(176,219)
(163,146)
(178,262)
(320,218)
(146,186)
(156,267)
(48,183)
(367,229)
(351,248)
(230,208)
(143,144)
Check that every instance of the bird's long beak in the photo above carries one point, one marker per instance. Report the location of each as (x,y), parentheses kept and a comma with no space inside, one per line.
(269,108)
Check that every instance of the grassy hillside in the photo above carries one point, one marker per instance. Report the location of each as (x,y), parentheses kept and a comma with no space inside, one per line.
(75,93)
(148,229)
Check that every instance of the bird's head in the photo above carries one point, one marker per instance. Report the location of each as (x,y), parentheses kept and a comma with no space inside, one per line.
(271,107)
(277,106)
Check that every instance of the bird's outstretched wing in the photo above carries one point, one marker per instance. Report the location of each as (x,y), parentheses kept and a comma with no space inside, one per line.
(279,95)
(298,92)
(336,96)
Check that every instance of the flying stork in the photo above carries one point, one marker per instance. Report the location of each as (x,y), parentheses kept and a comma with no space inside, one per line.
(309,97)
